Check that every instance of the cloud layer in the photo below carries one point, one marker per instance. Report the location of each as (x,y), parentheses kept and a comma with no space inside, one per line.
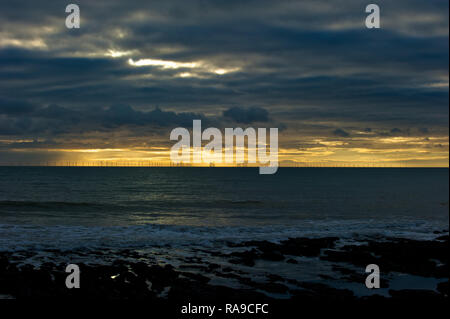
(137,69)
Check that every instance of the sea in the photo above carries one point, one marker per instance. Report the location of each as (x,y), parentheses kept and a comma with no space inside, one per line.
(179,211)
(69,207)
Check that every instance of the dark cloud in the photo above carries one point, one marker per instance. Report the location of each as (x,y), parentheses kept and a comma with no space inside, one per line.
(54,118)
(118,115)
(247,115)
(15,107)
(341,133)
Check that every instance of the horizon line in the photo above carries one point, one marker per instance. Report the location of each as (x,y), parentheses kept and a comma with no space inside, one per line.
(216,166)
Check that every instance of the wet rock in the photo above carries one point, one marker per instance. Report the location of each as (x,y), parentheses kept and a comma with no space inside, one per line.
(322,291)
(246,258)
(273,277)
(415,295)
(271,256)
(294,246)
(213,266)
(308,247)
(196,277)
(265,286)
(443,288)
(145,279)
(397,255)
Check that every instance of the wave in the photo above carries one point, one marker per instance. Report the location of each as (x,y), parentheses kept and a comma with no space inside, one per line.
(16,237)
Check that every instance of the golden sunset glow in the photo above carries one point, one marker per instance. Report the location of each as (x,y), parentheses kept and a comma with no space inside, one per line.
(383,152)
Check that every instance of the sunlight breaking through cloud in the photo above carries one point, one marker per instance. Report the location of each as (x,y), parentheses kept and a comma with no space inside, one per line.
(197,67)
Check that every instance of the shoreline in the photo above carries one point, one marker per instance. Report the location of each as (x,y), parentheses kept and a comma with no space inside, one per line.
(211,275)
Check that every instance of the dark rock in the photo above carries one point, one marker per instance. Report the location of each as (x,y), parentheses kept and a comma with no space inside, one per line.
(196,277)
(443,288)
(397,255)
(412,295)
(273,277)
(293,246)
(326,292)
(271,256)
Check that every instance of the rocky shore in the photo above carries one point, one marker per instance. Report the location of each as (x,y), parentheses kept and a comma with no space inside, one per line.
(228,276)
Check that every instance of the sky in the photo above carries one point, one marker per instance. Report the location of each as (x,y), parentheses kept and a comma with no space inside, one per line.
(112,90)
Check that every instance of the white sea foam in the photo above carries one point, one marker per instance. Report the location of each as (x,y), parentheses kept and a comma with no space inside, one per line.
(17,237)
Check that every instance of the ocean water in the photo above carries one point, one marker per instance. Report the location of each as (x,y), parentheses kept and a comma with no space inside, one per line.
(187,217)
(86,207)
